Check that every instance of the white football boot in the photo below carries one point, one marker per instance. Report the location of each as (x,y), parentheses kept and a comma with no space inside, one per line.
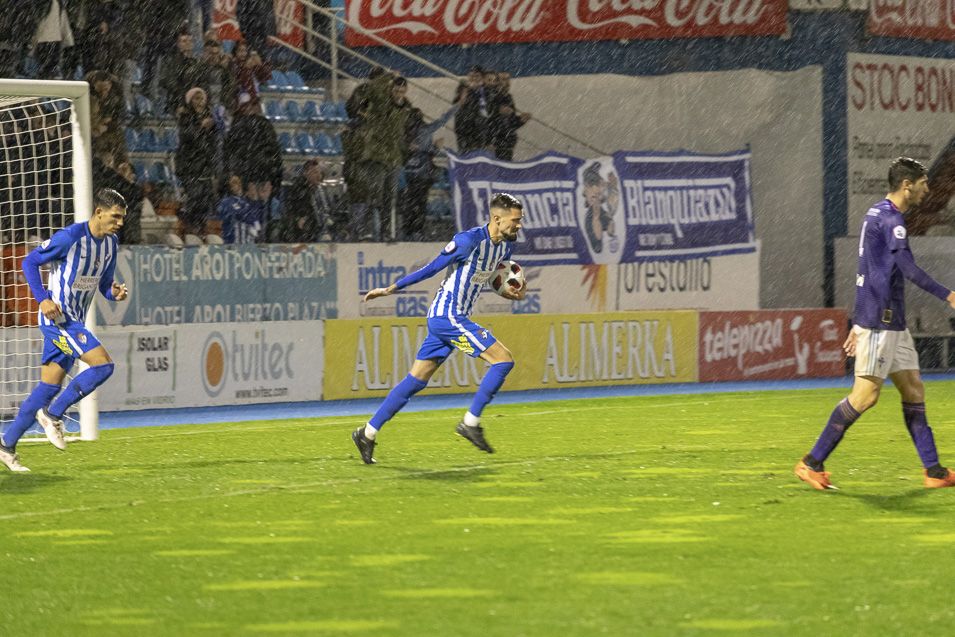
(53,428)
(11,460)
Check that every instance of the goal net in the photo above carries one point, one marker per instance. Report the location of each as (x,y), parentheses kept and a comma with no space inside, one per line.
(44,186)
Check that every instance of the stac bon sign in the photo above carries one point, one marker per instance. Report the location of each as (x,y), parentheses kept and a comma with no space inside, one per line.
(421,22)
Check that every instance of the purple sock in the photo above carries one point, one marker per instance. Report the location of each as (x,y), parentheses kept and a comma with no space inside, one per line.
(917,424)
(841,418)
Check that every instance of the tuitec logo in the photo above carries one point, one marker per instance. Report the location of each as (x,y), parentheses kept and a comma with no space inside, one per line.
(241,360)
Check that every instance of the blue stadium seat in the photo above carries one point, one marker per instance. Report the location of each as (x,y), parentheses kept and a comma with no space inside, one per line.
(287,143)
(142,173)
(170,140)
(305,143)
(137,75)
(148,142)
(296,82)
(310,111)
(337,144)
(340,112)
(327,113)
(132,140)
(273,111)
(324,144)
(294,111)
(278,82)
(161,173)
(144,107)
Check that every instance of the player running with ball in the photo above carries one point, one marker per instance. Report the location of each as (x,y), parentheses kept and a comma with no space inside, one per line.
(470,259)
(82,259)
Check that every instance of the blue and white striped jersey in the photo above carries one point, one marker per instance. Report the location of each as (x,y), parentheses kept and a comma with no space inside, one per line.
(474,258)
(79,264)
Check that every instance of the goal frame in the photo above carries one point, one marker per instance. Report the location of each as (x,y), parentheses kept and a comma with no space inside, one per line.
(79,94)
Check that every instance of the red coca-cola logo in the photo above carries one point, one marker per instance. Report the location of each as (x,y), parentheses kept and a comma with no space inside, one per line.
(445,21)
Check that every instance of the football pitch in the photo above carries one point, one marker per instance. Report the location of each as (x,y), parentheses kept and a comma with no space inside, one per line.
(660,515)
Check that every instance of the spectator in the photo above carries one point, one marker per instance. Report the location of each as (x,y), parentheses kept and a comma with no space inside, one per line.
(101,48)
(505,119)
(249,71)
(471,122)
(106,114)
(181,72)
(241,214)
(256,20)
(251,148)
(217,67)
(311,211)
(352,145)
(18,21)
(419,168)
(195,161)
(156,25)
(121,178)
(383,150)
(53,35)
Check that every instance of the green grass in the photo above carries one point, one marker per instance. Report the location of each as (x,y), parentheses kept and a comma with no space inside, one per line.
(669,515)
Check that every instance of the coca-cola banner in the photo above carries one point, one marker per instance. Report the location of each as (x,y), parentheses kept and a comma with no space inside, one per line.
(225,22)
(421,22)
(922,19)
(627,207)
(771,344)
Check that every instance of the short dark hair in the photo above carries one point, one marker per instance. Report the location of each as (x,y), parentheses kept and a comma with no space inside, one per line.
(399,81)
(376,71)
(905,168)
(108,198)
(505,201)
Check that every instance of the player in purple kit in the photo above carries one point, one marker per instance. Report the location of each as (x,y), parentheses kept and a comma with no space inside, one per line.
(879,340)
(470,259)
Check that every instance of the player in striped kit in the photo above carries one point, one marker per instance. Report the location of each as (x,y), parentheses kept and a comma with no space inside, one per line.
(470,259)
(82,258)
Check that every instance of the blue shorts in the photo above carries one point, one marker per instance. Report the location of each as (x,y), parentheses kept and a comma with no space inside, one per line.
(64,343)
(448,333)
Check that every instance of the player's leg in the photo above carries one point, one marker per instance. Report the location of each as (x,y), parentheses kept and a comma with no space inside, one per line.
(51,377)
(906,377)
(874,356)
(100,368)
(432,353)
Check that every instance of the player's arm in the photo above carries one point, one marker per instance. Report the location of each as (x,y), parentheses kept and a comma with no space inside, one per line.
(921,278)
(110,289)
(456,251)
(53,249)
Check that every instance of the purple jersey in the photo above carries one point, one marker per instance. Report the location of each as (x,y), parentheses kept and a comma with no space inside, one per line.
(885,261)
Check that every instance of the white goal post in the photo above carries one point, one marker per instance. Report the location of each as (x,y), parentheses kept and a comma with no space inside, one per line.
(19,96)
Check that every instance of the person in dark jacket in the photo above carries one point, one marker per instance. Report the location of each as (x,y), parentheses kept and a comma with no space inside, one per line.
(107,114)
(311,211)
(419,169)
(471,121)
(195,161)
(181,72)
(505,118)
(251,148)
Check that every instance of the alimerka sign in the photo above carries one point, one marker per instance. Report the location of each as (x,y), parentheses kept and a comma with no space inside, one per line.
(423,22)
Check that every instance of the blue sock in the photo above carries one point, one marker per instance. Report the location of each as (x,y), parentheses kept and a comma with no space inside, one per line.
(40,397)
(396,399)
(841,419)
(83,385)
(917,424)
(491,382)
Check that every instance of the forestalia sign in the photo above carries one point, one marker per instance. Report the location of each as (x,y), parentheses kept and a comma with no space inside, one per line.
(422,22)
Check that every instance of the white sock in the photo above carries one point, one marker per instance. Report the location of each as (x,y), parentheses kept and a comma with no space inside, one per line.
(370,432)
(471,420)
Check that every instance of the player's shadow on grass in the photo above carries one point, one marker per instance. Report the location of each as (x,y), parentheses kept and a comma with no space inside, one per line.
(909,501)
(457,474)
(28,482)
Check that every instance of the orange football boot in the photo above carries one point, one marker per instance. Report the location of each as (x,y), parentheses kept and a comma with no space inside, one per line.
(815,479)
(939,483)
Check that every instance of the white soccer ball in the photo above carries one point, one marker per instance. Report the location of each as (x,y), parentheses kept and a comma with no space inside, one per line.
(508,275)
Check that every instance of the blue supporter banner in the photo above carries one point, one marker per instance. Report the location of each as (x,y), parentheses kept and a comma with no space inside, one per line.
(627,207)
(224,284)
